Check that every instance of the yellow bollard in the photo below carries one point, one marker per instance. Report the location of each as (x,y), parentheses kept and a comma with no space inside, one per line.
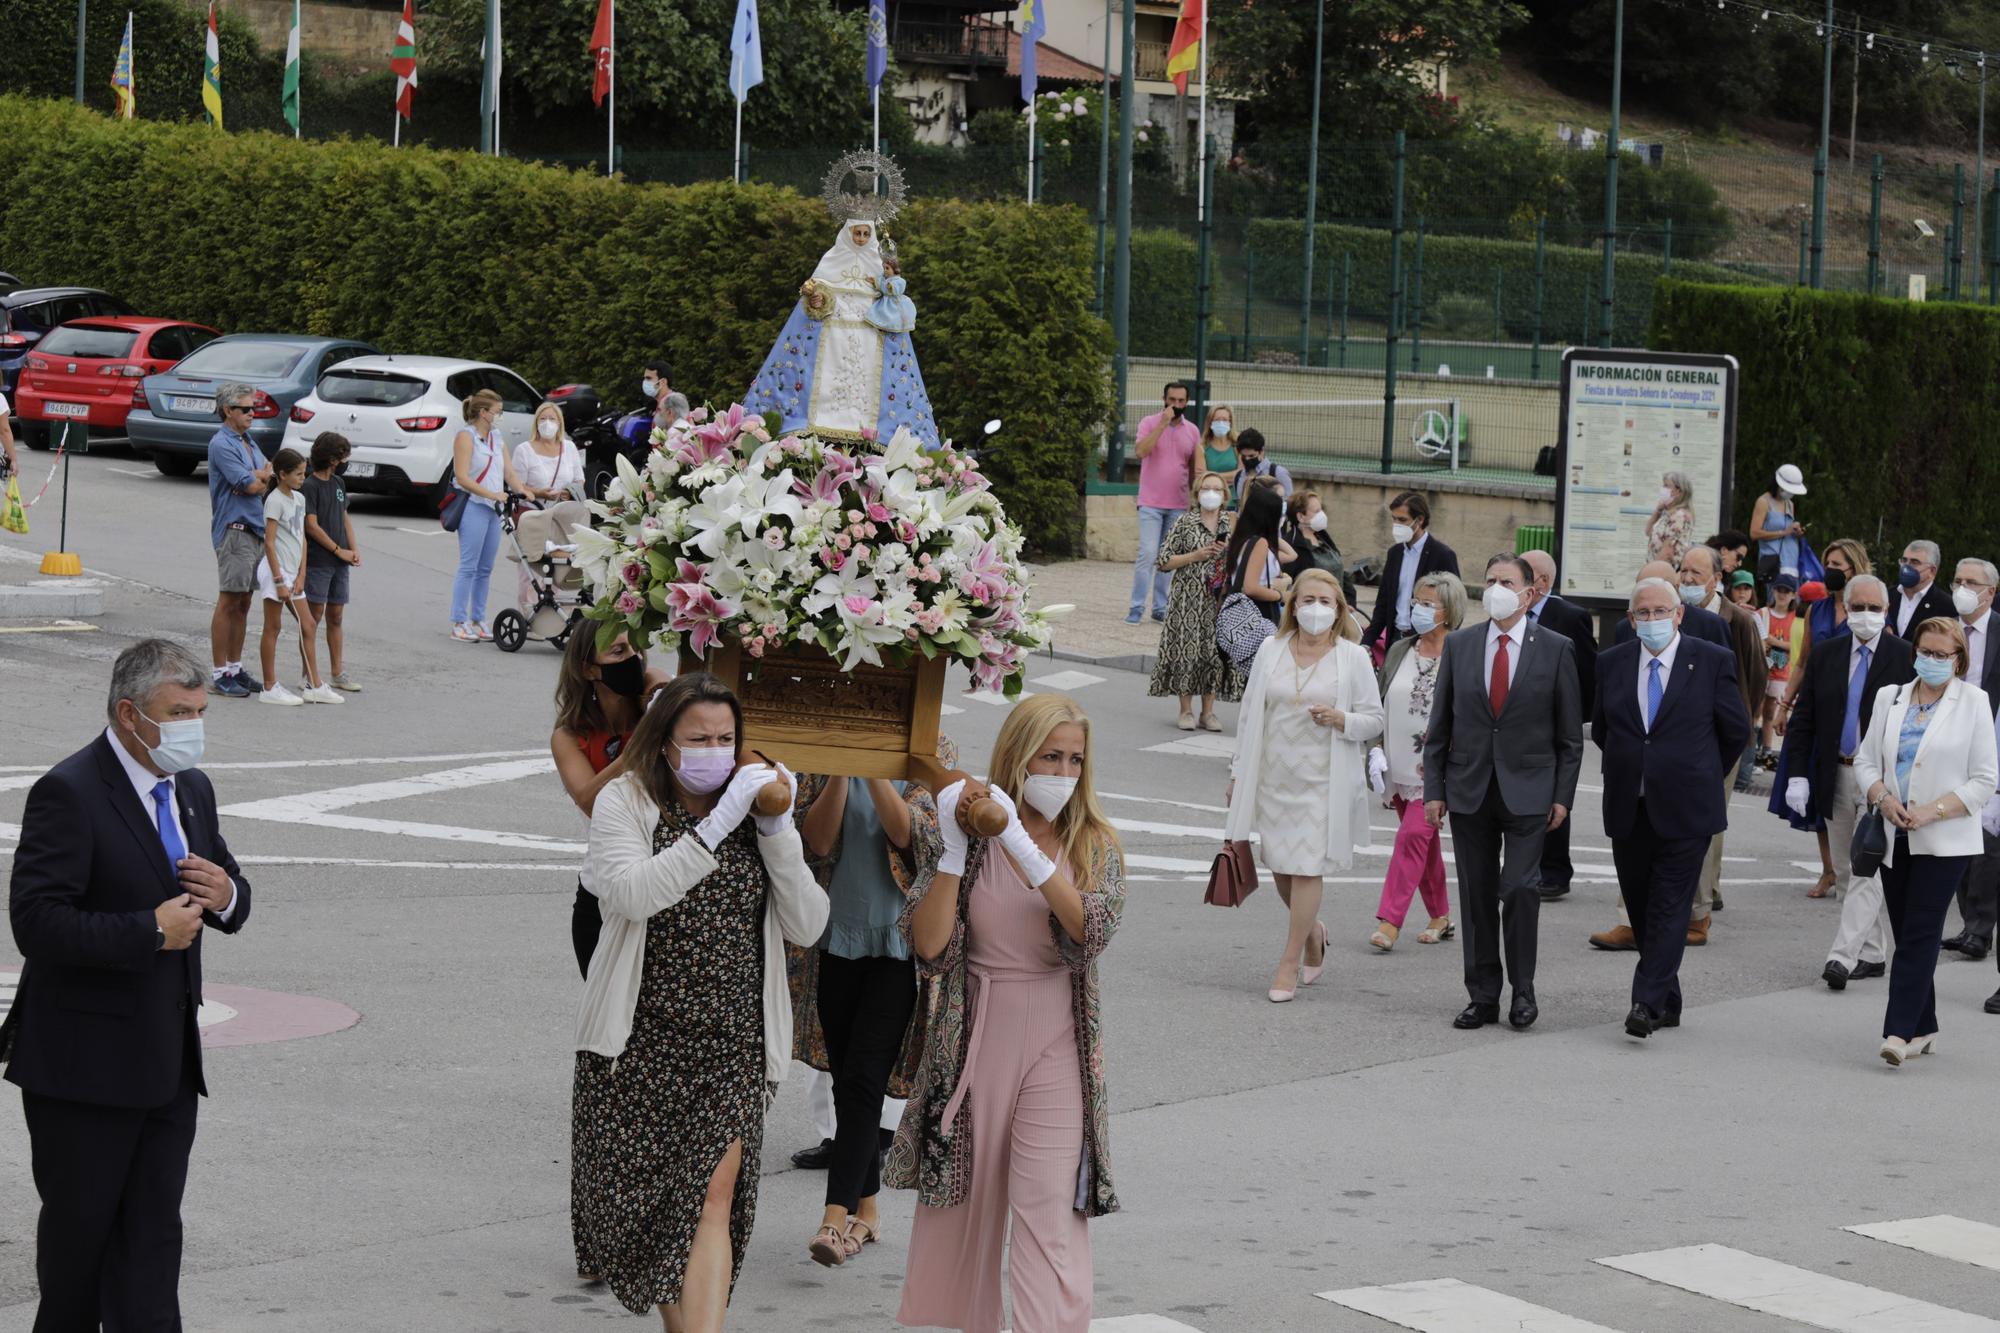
(62,562)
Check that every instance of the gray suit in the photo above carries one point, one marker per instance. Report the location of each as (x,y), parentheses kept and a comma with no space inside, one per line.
(1498,776)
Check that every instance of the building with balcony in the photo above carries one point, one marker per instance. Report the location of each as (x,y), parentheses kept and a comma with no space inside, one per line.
(1078,26)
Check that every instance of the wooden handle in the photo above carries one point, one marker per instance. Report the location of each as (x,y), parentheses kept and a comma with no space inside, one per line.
(978,815)
(774,798)
(982,817)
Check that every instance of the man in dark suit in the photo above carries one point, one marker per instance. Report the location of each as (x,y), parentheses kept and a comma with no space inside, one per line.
(1573,623)
(1671,723)
(1918,597)
(1831,705)
(1413,554)
(1502,756)
(121,864)
(1979,896)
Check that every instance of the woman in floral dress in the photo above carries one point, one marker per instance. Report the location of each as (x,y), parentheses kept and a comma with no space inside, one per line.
(1670,531)
(1189,662)
(686,1026)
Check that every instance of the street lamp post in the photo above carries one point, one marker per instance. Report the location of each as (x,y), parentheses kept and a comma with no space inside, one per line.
(1121,283)
(1104,160)
(1312,187)
(1818,272)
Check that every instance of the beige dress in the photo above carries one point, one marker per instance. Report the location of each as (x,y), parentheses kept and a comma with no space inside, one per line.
(1297,768)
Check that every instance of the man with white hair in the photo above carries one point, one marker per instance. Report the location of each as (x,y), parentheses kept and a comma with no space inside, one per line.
(1972,589)
(1919,597)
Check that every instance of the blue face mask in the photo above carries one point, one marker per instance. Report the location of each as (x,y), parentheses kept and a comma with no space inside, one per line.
(1908,576)
(1693,594)
(1423,617)
(1933,672)
(1655,634)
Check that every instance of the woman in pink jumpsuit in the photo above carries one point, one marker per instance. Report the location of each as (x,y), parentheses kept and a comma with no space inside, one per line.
(1007,1121)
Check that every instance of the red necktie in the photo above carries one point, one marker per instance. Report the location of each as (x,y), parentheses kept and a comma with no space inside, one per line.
(1496,690)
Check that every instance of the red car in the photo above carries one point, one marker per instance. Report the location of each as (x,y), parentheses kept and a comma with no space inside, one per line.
(91,370)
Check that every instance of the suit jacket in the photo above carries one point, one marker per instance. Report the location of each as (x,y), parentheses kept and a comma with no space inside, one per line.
(1936,601)
(1696,740)
(1986,675)
(1573,623)
(1753,668)
(1435,558)
(1534,747)
(1819,707)
(1956,757)
(102,1013)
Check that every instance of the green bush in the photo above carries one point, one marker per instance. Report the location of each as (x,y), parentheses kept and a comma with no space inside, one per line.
(1163,292)
(1468,264)
(1890,408)
(560,275)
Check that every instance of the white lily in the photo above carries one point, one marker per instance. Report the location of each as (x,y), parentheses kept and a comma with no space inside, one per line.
(719,510)
(862,631)
(851,581)
(768,499)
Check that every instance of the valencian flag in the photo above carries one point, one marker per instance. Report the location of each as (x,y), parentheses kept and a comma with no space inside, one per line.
(211,72)
(1034,27)
(600,50)
(1184,55)
(878,42)
(403,62)
(121,73)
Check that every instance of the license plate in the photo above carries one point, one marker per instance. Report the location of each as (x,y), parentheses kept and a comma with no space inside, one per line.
(198,405)
(360,469)
(67,409)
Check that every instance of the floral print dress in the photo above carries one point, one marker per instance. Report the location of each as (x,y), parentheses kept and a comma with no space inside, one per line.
(1189,662)
(653,1124)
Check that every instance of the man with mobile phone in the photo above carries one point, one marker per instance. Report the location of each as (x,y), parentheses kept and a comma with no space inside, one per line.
(1168,451)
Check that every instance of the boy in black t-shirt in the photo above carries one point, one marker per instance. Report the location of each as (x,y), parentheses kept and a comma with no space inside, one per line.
(330,549)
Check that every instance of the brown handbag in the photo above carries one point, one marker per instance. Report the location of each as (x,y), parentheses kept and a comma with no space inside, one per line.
(1233,877)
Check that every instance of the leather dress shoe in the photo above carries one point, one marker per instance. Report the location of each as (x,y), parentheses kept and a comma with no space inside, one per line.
(1639,1023)
(1953,944)
(813,1159)
(1697,932)
(1863,971)
(1670,1019)
(1972,951)
(1992,1005)
(1614,939)
(1524,1012)
(1548,893)
(1835,974)
(1476,1015)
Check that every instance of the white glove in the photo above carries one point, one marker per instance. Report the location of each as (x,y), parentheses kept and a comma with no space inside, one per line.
(952,862)
(733,804)
(1989,818)
(769,826)
(1378,769)
(1036,867)
(1798,796)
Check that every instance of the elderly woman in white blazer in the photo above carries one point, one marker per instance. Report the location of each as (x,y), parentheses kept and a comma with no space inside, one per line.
(1299,779)
(1928,764)
(686,1025)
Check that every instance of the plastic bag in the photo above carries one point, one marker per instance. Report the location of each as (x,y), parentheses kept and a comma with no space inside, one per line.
(13,514)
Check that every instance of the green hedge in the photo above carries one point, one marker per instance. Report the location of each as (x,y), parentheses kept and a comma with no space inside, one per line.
(1465,266)
(560,275)
(1891,408)
(1163,292)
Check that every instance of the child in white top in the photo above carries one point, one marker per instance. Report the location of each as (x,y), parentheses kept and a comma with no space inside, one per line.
(280,579)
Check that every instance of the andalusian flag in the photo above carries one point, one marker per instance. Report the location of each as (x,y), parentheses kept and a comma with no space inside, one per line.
(211,73)
(291,95)
(1184,55)
(121,73)
(403,61)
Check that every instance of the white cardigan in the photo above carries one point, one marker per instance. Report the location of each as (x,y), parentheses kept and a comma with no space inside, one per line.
(633,882)
(1956,757)
(1347,801)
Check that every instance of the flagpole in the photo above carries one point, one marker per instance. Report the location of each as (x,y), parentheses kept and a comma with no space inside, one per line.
(736,166)
(1201,124)
(396,132)
(1031,148)
(611,96)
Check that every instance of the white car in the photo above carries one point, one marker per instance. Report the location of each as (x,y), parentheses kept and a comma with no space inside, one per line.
(401,414)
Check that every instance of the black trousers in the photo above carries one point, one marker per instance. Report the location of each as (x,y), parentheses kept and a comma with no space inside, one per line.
(108,1245)
(1557,870)
(1658,877)
(1917,891)
(586,923)
(1499,859)
(864,1009)
(1979,895)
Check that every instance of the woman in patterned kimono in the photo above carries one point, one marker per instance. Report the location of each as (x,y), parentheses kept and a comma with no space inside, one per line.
(686,1028)
(1009,1114)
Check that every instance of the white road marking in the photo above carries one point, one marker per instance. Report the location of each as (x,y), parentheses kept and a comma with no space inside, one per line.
(1065,681)
(1138,862)
(1948,1237)
(1165,830)
(306,805)
(995,698)
(358,762)
(424,532)
(1154,800)
(1446,1305)
(1202,745)
(1140,1323)
(148,475)
(60,627)
(555,867)
(1798,1294)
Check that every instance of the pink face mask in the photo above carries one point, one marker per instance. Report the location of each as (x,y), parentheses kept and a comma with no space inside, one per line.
(705,768)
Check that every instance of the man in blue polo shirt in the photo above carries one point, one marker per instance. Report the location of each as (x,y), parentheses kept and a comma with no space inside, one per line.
(238,476)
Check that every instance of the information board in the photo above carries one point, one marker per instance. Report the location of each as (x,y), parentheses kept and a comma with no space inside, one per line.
(1628,419)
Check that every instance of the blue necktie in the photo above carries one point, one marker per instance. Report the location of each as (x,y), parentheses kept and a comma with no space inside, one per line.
(170,836)
(1850,730)
(1653,692)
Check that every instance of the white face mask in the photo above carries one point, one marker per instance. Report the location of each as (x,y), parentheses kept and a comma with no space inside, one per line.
(1047,794)
(1423,617)
(1220,429)
(1865,625)
(1666,495)
(547,429)
(1318,522)
(1315,618)
(1401,533)
(1965,601)
(1211,500)
(650,387)
(180,744)
(1501,602)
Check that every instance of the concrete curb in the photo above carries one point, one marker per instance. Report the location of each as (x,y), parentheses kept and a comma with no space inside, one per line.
(51,599)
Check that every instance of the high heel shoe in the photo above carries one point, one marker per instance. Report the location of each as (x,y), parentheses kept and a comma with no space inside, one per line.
(1895,1050)
(1922,1046)
(1308,975)
(1283,996)
(1439,930)
(1384,938)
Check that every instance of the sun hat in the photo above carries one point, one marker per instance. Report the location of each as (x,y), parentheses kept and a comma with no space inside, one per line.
(1790,480)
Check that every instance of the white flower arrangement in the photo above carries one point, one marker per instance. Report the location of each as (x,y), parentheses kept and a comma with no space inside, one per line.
(730,536)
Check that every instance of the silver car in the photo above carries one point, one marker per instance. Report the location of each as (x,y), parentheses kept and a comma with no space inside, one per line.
(180,416)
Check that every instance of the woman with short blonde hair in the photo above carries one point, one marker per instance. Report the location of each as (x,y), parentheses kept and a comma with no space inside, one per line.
(480,468)
(1188,663)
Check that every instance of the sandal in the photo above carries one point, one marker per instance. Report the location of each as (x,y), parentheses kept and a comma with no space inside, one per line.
(832,1247)
(1439,930)
(869,1235)
(1384,938)
(1823,888)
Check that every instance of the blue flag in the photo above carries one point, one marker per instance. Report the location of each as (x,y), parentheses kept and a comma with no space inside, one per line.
(1035,26)
(746,51)
(878,42)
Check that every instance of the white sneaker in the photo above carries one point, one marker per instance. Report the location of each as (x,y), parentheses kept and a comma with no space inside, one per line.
(275,693)
(322,694)
(343,681)
(464,634)
(485,634)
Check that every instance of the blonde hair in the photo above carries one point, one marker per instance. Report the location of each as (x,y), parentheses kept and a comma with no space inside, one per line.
(1082,828)
(1856,553)
(1203,478)
(479,402)
(1343,621)
(1952,630)
(1208,423)
(547,409)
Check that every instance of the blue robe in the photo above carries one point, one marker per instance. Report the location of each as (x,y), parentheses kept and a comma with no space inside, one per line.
(785,383)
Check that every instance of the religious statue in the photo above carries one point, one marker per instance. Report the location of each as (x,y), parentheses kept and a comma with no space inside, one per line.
(843,367)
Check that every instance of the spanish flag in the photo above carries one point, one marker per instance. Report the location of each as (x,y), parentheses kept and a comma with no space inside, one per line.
(121,74)
(1184,55)
(211,73)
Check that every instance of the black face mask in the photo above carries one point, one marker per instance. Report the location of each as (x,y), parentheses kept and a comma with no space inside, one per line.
(1835,580)
(626,678)
(1251,461)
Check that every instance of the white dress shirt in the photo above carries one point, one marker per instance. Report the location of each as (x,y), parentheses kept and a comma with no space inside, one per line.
(1514,637)
(1406,579)
(1975,643)
(143,781)
(1908,609)
(1666,661)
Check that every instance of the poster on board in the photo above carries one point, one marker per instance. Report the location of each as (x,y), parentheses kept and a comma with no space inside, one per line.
(1630,417)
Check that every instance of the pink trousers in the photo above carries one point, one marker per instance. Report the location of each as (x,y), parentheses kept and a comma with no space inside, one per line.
(1417,863)
(1026,1095)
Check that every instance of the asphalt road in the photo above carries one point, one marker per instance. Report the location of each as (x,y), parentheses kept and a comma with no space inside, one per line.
(413,859)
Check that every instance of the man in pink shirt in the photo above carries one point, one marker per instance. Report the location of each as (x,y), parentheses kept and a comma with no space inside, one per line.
(1167,450)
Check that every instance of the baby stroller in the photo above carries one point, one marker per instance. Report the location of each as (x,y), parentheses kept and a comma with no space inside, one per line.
(552,599)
